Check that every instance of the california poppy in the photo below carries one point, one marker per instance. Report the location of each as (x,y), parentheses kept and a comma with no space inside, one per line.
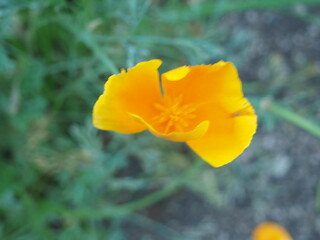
(201,105)
(270,231)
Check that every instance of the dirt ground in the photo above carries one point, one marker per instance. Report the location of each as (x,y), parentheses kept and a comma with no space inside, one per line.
(285,189)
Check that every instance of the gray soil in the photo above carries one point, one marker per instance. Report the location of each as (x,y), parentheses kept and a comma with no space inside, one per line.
(282,166)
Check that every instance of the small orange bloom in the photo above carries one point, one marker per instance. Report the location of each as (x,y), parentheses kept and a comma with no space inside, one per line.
(270,231)
(200,105)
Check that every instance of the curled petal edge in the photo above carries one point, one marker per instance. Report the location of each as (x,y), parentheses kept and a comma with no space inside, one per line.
(177,74)
(199,131)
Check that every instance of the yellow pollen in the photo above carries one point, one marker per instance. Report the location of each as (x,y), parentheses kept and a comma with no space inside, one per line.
(174,115)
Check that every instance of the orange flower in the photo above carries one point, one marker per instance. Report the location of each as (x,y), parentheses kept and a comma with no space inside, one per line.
(270,231)
(200,105)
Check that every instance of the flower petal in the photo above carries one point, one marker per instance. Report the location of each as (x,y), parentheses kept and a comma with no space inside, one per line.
(198,132)
(177,74)
(204,83)
(216,91)
(270,231)
(134,91)
(228,134)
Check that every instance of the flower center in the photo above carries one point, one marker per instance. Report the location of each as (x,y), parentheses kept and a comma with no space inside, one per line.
(174,115)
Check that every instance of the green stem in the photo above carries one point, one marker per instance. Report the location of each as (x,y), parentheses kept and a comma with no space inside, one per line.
(165,192)
(88,40)
(293,118)
(232,6)
(114,211)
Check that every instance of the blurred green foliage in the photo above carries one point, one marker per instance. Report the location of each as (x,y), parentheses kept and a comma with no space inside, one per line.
(59,177)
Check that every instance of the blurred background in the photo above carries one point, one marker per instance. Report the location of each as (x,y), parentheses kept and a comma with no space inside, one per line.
(62,179)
